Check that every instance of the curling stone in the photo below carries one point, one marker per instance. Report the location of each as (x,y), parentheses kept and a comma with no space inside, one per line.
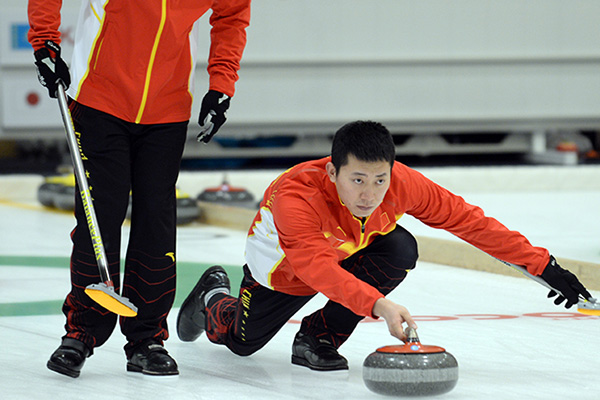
(64,198)
(187,208)
(58,192)
(46,192)
(228,195)
(411,369)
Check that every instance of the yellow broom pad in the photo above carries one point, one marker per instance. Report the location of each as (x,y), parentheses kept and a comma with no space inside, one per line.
(588,311)
(108,299)
(591,307)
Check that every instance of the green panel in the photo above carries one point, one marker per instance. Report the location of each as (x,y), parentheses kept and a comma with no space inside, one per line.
(49,307)
(29,261)
(188,274)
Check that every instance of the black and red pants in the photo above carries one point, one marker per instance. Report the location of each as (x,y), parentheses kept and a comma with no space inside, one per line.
(123,158)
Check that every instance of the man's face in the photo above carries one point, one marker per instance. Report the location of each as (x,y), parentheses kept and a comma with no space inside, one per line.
(361,185)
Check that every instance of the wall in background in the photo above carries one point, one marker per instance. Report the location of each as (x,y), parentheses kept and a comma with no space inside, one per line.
(421,67)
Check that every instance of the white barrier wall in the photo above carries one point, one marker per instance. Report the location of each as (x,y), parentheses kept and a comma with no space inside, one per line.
(420,61)
(419,66)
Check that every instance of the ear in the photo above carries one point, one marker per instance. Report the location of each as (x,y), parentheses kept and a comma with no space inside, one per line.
(331,172)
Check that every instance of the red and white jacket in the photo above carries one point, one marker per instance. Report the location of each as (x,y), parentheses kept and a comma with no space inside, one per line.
(303,232)
(135,59)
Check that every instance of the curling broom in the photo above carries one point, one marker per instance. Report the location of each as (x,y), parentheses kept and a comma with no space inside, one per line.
(589,306)
(102,293)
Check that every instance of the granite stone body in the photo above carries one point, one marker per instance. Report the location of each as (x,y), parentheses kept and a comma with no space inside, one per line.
(410,374)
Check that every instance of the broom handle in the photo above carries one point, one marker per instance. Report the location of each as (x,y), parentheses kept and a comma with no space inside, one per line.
(529,275)
(86,196)
(542,282)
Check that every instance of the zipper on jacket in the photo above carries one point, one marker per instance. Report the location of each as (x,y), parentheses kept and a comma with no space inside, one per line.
(363,223)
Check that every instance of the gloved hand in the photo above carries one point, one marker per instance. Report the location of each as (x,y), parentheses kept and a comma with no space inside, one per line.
(564,282)
(212,114)
(51,68)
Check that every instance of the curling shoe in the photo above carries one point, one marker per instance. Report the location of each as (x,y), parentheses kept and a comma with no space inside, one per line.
(151,358)
(69,358)
(191,320)
(316,354)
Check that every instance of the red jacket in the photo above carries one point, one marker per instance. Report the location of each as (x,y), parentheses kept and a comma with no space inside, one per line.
(302,232)
(135,59)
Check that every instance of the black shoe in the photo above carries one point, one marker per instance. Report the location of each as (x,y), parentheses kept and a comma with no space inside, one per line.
(317,354)
(69,358)
(151,358)
(191,320)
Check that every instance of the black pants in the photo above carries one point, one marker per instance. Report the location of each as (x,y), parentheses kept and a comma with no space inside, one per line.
(245,324)
(120,157)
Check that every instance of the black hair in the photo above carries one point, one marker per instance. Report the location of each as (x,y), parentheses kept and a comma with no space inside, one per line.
(366,140)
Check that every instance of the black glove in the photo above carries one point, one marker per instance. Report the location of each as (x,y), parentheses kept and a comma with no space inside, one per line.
(564,282)
(51,69)
(212,114)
